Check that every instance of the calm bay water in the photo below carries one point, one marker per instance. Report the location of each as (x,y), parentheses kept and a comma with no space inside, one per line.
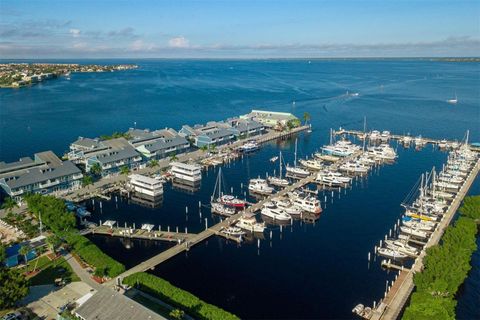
(308,270)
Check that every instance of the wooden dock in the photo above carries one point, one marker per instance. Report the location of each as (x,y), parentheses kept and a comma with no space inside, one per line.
(396,297)
(141,234)
(216,229)
(398,137)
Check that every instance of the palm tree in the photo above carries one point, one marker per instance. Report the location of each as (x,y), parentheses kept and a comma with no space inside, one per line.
(124,170)
(173,157)
(153,163)
(86,180)
(53,242)
(96,169)
(306,117)
(24,250)
(204,147)
(9,204)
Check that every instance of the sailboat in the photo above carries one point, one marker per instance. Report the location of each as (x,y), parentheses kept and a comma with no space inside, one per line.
(453,101)
(278,181)
(296,171)
(225,199)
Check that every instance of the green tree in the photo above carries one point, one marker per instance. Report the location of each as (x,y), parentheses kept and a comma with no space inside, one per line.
(176,314)
(9,204)
(306,117)
(124,170)
(3,254)
(96,169)
(87,180)
(16,289)
(173,156)
(204,148)
(153,163)
(24,250)
(53,242)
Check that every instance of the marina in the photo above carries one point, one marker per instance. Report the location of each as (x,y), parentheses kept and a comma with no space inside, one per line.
(439,217)
(330,250)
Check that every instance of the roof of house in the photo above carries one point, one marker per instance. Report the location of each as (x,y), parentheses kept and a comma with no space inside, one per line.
(274,115)
(36,175)
(88,143)
(108,304)
(161,144)
(22,163)
(117,154)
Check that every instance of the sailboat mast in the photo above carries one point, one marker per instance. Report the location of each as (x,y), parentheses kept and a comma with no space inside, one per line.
(295,160)
(280,165)
(364,124)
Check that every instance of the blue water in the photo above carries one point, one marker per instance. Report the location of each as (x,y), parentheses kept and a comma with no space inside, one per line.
(308,270)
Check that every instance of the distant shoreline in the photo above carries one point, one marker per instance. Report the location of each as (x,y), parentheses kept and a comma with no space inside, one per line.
(38,60)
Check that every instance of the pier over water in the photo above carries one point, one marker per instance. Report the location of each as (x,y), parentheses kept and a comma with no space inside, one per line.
(216,229)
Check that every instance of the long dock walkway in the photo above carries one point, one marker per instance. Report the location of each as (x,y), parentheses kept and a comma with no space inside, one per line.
(141,234)
(397,296)
(115,182)
(392,136)
(216,229)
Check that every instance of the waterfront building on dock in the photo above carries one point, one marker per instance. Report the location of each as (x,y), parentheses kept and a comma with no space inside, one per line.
(245,127)
(120,153)
(270,119)
(213,133)
(44,174)
(83,148)
(145,185)
(158,144)
(186,171)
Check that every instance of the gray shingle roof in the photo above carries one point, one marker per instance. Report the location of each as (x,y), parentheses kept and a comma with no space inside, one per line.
(36,175)
(107,304)
(88,143)
(24,162)
(117,154)
(165,144)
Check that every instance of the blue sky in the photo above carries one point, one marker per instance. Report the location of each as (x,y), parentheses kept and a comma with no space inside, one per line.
(238,29)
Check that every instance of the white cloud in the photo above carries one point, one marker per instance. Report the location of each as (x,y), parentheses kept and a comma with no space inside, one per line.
(80,45)
(140,45)
(179,42)
(75,32)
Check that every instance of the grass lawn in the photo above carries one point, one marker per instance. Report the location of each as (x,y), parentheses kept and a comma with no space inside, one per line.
(51,270)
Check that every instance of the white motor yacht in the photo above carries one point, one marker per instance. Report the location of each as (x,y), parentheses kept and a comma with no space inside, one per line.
(249,223)
(260,186)
(275,213)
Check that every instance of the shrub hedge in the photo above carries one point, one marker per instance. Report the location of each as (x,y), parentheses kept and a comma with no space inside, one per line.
(88,251)
(177,297)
